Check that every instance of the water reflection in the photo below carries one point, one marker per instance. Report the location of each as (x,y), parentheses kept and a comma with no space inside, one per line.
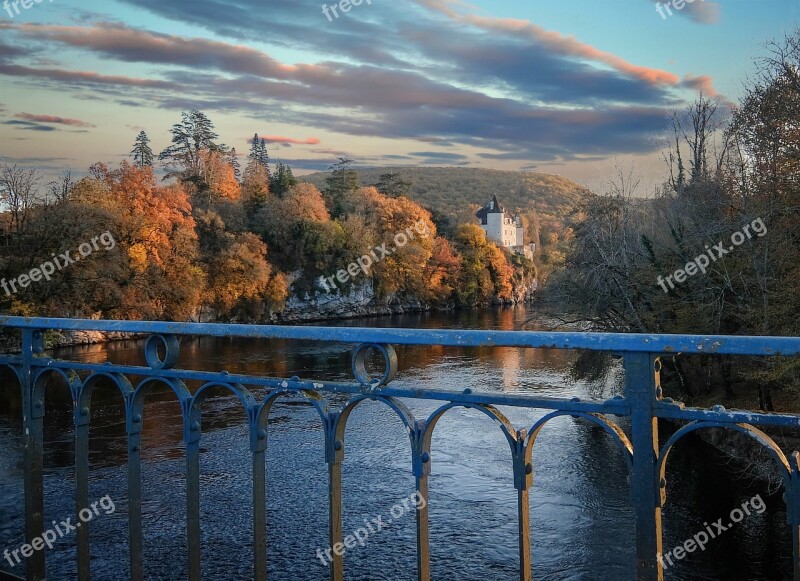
(582,525)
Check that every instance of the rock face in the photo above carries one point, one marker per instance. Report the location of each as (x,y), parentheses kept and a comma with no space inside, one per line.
(360,302)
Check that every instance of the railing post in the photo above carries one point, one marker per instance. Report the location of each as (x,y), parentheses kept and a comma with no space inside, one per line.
(523,481)
(81,421)
(334,454)
(421,466)
(192,439)
(258,448)
(135,409)
(640,390)
(33,410)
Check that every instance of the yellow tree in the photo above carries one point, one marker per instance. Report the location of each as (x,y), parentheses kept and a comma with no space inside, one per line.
(485,271)
(406,233)
(155,229)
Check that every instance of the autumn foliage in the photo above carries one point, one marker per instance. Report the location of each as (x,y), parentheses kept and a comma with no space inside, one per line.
(207,243)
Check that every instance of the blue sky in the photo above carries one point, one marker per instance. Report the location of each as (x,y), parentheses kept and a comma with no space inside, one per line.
(571,87)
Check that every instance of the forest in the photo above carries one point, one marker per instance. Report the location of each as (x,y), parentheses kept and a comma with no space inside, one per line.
(202,236)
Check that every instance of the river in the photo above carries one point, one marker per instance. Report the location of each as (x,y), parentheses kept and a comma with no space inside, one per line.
(581,521)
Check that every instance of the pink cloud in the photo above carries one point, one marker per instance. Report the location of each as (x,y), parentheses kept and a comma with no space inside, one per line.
(54,119)
(701,83)
(279,139)
(555,41)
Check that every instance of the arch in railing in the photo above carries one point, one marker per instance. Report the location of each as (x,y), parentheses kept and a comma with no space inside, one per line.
(241,393)
(398,407)
(39,382)
(610,428)
(17,371)
(752,432)
(119,380)
(315,400)
(488,410)
(177,386)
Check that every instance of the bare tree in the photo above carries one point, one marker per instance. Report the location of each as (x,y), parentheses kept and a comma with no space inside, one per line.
(19,191)
(60,189)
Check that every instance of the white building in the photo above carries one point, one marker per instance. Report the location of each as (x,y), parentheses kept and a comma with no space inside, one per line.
(504,229)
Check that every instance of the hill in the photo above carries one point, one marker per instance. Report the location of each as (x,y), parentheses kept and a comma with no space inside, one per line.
(450,190)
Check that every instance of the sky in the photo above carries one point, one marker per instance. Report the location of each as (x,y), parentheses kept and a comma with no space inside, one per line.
(569,87)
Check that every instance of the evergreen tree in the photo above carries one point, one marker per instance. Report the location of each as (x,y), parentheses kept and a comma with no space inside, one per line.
(234,161)
(264,156)
(259,153)
(282,180)
(393,185)
(142,154)
(255,148)
(340,185)
(190,137)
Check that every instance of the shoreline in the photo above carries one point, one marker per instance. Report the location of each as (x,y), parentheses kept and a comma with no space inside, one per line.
(55,340)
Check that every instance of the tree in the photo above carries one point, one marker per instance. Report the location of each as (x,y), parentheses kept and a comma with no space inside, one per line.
(282,180)
(263,155)
(485,272)
(407,228)
(233,159)
(216,179)
(60,189)
(441,272)
(393,185)
(341,184)
(155,231)
(141,152)
(259,154)
(194,134)
(255,186)
(19,191)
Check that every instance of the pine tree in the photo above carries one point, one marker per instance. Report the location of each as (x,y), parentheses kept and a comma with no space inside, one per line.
(264,156)
(340,185)
(254,148)
(142,154)
(234,161)
(393,185)
(282,180)
(190,137)
(258,153)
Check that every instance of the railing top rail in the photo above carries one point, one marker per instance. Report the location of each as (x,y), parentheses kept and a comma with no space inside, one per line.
(617,342)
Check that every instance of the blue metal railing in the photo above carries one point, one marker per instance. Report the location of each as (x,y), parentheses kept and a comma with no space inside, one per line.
(642,403)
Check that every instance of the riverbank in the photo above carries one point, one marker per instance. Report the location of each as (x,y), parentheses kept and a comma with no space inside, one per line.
(295,313)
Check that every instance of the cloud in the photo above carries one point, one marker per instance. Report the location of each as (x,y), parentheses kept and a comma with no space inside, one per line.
(438,76)
(289,140)
(553,41)
(702,83)
(33,160)
(83,78)
(438,155)
(133,45)
(54,119)
(29,126)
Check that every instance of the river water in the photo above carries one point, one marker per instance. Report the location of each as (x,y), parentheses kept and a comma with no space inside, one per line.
(581,521)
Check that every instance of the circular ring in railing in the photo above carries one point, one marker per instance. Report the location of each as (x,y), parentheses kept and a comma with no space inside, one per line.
(360,364)
(171,347)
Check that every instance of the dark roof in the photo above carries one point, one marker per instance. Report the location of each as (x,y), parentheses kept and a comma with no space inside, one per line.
(498,209)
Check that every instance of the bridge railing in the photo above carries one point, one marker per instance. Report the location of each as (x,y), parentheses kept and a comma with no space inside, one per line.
(642,403)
